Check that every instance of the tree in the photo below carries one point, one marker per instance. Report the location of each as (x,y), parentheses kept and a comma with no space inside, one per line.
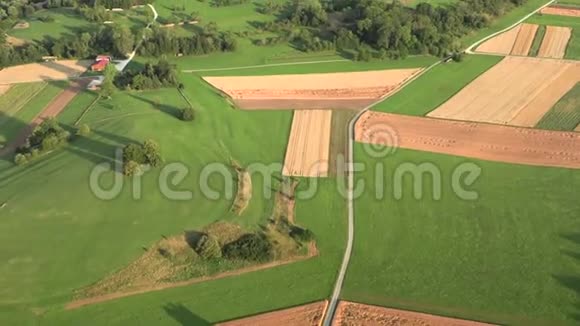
(152,152)
(123,40)
(132,168)
(84,130)
(108,86)
(187,114)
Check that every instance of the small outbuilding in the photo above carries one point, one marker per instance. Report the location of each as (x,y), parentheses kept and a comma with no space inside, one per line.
(101,62)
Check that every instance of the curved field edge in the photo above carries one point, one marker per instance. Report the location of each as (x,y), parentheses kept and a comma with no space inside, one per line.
(477,259)
(436,86)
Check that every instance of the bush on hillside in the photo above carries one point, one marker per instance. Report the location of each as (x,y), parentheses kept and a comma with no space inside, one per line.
(187,114)
(252,246)
(208,247)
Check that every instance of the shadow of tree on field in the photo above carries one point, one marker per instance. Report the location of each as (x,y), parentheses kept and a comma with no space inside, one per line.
(184,316)
(571,282)
(168,109)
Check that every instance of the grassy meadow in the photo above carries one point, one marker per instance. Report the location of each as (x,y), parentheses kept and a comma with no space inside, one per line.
(436,86)
(68,227)
(508,257)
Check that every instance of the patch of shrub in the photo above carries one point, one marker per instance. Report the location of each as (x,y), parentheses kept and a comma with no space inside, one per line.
(187,114)
(84,130)
(20,159)
(135,155)
(301,235)
(252,246)
(208,247)
(45,137)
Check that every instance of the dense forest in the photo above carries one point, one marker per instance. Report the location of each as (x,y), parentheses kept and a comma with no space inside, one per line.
(360,28)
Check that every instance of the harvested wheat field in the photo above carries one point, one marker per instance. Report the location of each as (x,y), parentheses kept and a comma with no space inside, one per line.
(311,91)
(309,144)
(33,72)
(516,41)
(524,40)
(350,313)
(517,91)
(555,42)
(501,44)
(476,140)
(561,11)
(309,314)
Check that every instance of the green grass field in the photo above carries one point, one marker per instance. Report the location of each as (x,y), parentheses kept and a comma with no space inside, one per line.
(68,22)
(36,271)
(509,257)
(573,48)
(538,38)
(436,86)
(565,115)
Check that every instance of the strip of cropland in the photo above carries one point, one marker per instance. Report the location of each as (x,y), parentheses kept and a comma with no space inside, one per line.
(573,47)
(565,115)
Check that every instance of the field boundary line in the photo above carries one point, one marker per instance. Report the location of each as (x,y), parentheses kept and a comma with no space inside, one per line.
(264,65)
(470,48)
(86,110)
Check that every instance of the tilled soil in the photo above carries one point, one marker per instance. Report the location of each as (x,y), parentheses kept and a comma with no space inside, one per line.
(475,140)
(561,11)
(350,313)
(306,315)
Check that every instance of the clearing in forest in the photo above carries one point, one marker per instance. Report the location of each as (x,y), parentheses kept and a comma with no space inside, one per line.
(311,91)
(517,91)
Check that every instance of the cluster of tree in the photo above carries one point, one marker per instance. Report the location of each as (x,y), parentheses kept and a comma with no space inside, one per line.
(391,27)
(152,76)
(252,246)
(45,137)
(137,155)
(225,3)
(62,3)
(11,10)
(307,41)
(96,13)
(116,40)
(125,4)
(207,40)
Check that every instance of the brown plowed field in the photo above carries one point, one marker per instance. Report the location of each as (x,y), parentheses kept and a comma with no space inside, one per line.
(501,44)
(58,70)
(350,313)
(555,42)
(525,39)
(272,104)
(278,91)
(308,145)
(306,315)
(561,11)
(476,140)
(516,91)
